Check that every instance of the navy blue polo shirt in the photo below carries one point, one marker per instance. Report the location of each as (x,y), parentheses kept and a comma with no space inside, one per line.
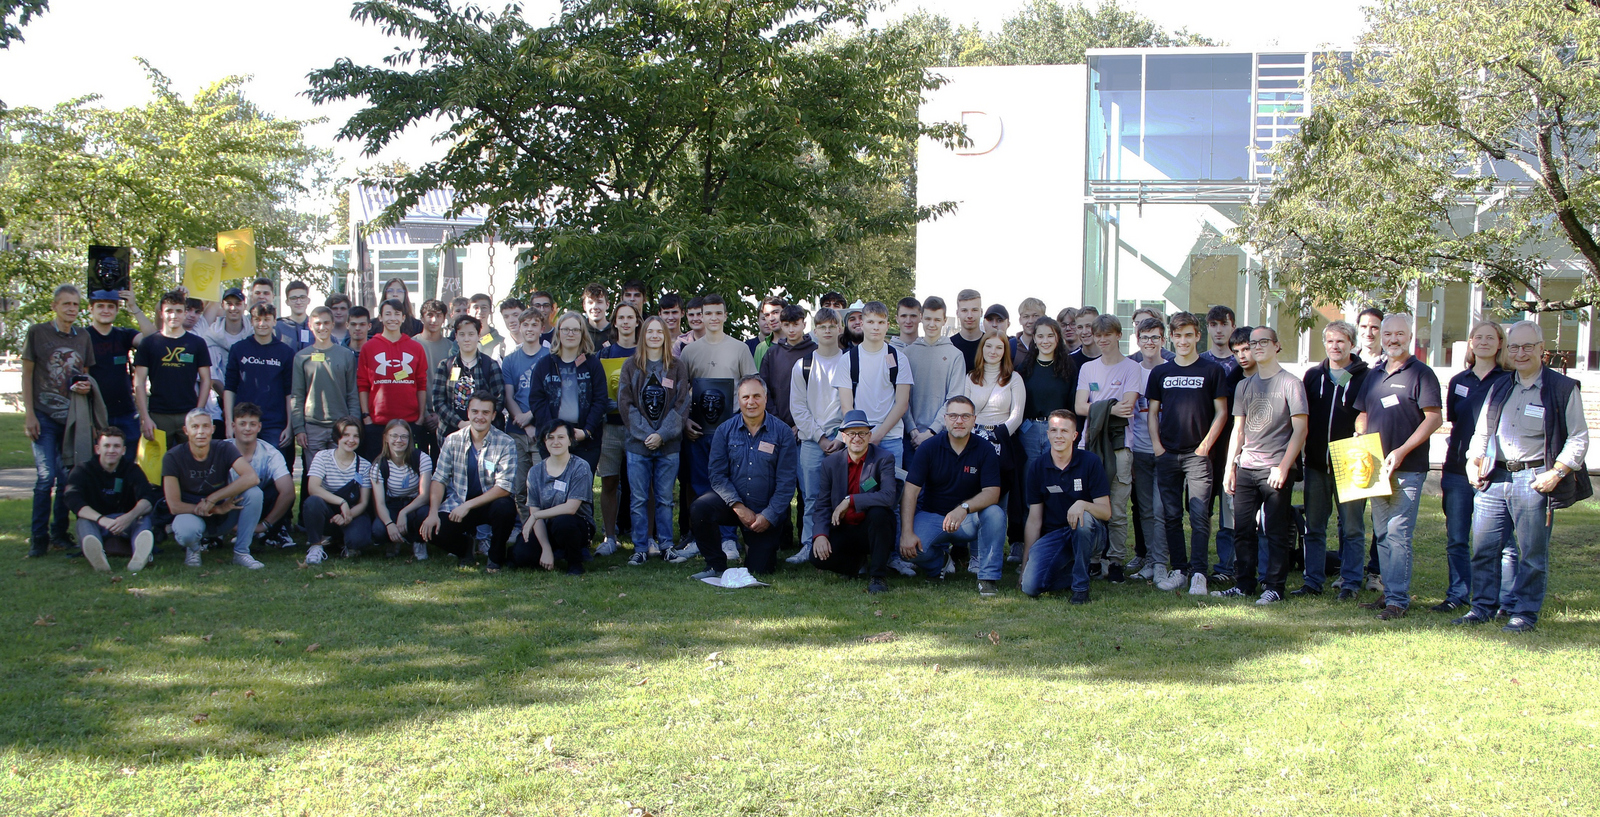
(1463,401)
(1057,489)
(1394,406)
(948,479)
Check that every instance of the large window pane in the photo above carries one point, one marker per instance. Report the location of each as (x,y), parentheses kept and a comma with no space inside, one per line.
(1197,118)
(1114,116)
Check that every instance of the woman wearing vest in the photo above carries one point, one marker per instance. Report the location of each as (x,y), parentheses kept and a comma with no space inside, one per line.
(560,507)
(653,401)
(624,333)
(340,495)
(1000,397)
(398,502)
(1463,401)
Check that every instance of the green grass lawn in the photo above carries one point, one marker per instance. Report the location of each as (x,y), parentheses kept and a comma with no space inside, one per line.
(16,450)
(388,687)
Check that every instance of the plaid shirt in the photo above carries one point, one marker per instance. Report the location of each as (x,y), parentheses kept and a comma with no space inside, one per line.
(496,464)
(450,396)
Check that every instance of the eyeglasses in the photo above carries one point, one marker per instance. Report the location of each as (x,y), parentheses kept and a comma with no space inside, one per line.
(1261,344)
(1150,338)
(570,329)
(954,418)
(1524,348)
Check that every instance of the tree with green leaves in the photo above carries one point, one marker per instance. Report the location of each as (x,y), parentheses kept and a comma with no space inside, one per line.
(159,177)
(14,14)
(1044,32)
(1458,144)
(702,145)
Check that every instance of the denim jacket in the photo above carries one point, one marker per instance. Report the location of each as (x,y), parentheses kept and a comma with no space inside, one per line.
(760,470)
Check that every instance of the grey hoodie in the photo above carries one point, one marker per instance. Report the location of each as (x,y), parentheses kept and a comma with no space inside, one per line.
(937,370)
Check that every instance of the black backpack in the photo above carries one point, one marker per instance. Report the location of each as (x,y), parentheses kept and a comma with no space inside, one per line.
(413,461)
(855,365)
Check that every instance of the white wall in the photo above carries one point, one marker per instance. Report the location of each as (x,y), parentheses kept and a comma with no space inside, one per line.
(1019,187)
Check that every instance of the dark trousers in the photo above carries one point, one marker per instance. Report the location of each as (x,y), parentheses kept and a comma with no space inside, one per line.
(708,513)
(457,537)
(569,535)
(410,525)
(872,539)
(1251,494)
(1176,473)
(357,533)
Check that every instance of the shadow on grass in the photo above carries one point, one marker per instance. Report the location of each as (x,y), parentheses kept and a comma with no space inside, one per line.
(175,662)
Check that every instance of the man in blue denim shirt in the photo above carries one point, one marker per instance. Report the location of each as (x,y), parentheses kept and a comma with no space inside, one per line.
(754,465)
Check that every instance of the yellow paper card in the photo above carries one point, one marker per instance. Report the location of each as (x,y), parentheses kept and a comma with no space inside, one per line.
(238,248)
(613,367)
(202,274)
(1358,468)
(150,454)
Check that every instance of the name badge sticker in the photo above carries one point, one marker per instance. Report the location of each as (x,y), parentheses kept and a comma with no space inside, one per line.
(666,382)
(1054,489)
(487,339)
(185,357)
(117,485)
(455,373)
(120,360)
(305,335)
(1077,485)
(766,447)
(560,485)
(1462,390)
(1390,400)
(1094,386)
(1533,411)
(869,483)
(319,357)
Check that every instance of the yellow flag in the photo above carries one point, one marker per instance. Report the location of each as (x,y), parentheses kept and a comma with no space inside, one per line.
(202,274)
(238,248)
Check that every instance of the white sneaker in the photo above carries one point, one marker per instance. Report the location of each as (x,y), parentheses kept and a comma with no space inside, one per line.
(1197,584)
(1269,597)
(607,547)
(192,558)
(730,549)
(419,551)
(1172,581)
(1374,582)
(246,560)
(679,555)
(949,565)
(902,566)
(142,545)
(802,556)
(95,552)
(315,554)
(1147,572)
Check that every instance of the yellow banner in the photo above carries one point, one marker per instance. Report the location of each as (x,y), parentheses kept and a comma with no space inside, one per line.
(1358,468)
(238,248)
(202,274)
(613,367)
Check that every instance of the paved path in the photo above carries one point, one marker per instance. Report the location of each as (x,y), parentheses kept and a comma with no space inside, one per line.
(16,483)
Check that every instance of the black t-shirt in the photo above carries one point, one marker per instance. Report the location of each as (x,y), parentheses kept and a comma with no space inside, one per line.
(1047,391)
(1082,357)
(948,479)
(198,479)
(112,370)
(969,349)
(174,366)
(1186,394)
(1394,406)
(1058,488)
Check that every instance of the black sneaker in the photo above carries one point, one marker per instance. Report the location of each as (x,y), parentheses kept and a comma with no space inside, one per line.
(1447,606)
(1469,619)
(1305,590)
(987,588)
(1079,597)
(1346,594)
(38,548)
(1518,624)
(1115,575)
(877,586)
(1220,577)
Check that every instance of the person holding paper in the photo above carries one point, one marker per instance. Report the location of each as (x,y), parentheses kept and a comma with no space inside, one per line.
(853,515)
(752,468)
(1527,460)
(1400,402)
(1331,390)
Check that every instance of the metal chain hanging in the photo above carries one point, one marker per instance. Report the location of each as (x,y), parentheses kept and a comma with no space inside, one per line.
(491,268)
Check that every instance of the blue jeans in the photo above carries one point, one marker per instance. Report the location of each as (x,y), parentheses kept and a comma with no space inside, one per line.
(129,423)
(1176,473)
(651,476)
(48,475)
(986,530)
(1035,440)
(1458,498)
(188,528)
(1322,496)
(810,484)
(1510,508)
(114,545)
(1395,518)
(1051,565)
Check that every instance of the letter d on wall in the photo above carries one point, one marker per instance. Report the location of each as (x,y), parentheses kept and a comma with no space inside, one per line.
(984,131)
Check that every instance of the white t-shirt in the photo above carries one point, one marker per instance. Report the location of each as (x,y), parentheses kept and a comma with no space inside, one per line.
(873,393)
(267,462)
(1104,382)
(335,477)
(402,480)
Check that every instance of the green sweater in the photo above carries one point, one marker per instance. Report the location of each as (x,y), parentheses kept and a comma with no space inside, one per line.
(324,387)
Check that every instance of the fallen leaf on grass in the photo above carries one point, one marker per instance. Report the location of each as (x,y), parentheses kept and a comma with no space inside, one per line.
(172,611)
(994,637)
(561,601)
(201,718)
(314,647)
(420,581)
(878,613)
(301,565)
(641,682)
(622,595)
(21,573)
(881,638)
(638,811)
(45,621)
(714,656)
(249,693)
(1205,626)
(937,668)
(97,671)
(119,638)
(116,579)
(1515,681)
(206,638)
(136,591)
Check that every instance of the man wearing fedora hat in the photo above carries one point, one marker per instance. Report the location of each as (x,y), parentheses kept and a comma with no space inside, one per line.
(854,516)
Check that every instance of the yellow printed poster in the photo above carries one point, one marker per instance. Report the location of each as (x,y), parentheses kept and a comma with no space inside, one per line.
(238,248)
(1358,468)
(613,367)
(202,274)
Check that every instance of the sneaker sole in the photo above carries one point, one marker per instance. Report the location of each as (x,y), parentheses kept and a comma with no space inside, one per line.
(142,545)
(95,552)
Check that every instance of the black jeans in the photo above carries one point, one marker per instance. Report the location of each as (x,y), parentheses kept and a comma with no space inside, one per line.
(356,533)
(873,538)
(410,524)
(709,513)
(1176,473)
(569,535)
(1251,493)
(457,537)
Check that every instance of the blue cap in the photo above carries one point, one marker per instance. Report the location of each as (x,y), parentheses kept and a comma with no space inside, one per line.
(233,292)
(855,418)
(105,295)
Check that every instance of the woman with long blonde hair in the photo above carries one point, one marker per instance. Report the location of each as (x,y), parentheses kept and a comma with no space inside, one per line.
(653,400)
(1486,364)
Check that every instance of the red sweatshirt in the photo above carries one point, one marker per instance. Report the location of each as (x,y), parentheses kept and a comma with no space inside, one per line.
(394,376)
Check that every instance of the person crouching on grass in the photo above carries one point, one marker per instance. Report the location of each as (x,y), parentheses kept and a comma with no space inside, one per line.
(399,500)
(340,494)
(560,506)
(472,486)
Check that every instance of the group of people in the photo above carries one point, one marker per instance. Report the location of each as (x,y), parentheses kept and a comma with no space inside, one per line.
(915,451)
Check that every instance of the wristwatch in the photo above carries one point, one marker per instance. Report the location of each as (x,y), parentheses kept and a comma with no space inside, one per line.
(966,507)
